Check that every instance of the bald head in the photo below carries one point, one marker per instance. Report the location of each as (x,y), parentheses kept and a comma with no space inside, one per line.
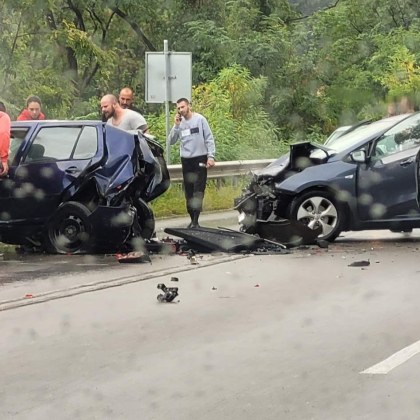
(109,104)
(126,98)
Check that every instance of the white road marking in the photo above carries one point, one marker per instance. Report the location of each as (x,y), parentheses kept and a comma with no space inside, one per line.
(398,358)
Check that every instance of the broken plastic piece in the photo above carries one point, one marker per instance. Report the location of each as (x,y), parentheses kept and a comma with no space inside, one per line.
(133,257)
(362,263)
(169,293)
(193,260)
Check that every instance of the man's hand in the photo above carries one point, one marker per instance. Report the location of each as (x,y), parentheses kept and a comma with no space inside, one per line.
(210,163)
(178,119)
(4,168)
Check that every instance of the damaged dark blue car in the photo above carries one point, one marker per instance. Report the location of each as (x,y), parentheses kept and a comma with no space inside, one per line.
(367,179)
(80,187)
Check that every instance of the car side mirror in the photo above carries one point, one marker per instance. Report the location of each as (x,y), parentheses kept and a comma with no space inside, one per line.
(358,156)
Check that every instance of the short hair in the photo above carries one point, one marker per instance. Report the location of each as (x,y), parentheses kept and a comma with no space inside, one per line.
(128,89)
(2,107)
(183,100)
(33,98)
(110,98)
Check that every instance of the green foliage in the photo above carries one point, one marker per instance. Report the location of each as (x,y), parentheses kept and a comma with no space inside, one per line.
(218,196)
(263,74)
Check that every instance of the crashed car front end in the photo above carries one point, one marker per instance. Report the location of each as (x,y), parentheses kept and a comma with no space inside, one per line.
(264,200)
(123,186)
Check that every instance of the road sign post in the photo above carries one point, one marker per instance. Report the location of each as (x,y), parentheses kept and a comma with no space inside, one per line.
(168,78)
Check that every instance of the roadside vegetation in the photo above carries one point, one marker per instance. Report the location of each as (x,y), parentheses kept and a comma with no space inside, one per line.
(219,196)
(265,73)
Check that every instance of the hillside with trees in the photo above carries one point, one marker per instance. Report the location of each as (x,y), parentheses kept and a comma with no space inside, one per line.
(264,72)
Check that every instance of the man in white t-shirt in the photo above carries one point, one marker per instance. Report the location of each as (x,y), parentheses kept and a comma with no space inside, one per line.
(125,119)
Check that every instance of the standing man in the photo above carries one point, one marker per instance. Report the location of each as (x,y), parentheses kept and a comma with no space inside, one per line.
(126,99)
(4,142)
(197,155)
(125,119)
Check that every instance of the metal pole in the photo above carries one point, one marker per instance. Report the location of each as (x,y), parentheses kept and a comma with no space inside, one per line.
(167,99)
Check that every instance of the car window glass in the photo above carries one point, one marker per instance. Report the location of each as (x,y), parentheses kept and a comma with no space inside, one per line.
(347,140)
(402,137)
(17,136)
(53,143)
(87,144)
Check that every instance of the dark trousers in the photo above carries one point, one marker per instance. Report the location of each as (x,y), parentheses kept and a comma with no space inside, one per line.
(195,178)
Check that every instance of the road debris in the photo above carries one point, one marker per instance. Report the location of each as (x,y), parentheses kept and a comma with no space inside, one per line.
(362,263)
(134,257)
(169,293)
(226,240)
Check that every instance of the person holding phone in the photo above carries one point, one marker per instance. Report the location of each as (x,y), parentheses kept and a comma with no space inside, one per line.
(197,150)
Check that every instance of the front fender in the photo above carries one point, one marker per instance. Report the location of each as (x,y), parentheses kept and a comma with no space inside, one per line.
(339,176)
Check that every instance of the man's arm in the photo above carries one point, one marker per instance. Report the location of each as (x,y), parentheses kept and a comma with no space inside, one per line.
(209,140)
(174,134)
(138,121)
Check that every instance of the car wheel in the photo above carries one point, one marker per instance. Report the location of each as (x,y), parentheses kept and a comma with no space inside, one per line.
(69,231)
(318,209)
(146,219)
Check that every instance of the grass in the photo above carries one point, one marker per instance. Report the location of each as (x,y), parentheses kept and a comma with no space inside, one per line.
(219,195)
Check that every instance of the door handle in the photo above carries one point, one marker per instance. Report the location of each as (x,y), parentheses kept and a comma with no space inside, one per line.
(407,162)
(72,170)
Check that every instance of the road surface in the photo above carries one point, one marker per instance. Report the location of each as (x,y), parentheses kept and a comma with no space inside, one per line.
(297,336)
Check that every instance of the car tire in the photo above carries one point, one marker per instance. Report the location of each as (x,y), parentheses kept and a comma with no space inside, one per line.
(69,230)
(318,209)
(146,219)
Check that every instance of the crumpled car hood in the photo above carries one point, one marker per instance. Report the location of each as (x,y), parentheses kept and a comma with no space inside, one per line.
(129,158)
(301,156)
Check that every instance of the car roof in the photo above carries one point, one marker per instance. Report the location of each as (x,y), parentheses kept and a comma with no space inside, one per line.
(55,122)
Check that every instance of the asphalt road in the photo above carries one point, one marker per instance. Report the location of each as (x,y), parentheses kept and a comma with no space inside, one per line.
(273,337)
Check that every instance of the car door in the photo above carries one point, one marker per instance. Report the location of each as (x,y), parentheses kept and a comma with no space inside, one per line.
(57,156)
(386,185)
(17,143)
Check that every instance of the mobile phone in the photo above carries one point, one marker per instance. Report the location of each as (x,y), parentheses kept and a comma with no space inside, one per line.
(179,116)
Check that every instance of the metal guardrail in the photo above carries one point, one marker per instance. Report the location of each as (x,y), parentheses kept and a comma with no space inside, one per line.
(224,169)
